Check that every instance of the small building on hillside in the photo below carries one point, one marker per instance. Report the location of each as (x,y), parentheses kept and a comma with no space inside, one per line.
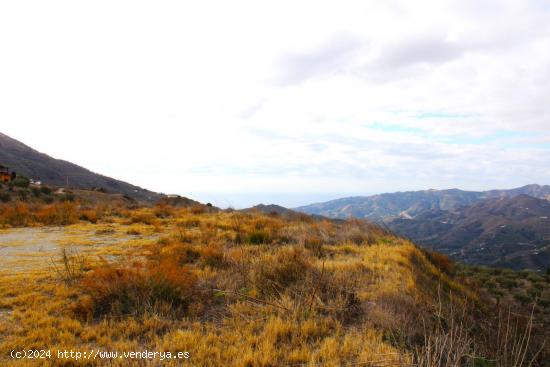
(5,174)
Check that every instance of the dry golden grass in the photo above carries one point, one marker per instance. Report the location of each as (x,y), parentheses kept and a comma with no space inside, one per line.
(232,289)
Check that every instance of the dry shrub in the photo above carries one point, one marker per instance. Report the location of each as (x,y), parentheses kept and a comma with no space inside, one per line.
(359,232)
(240,262)
(400,317)
(185,254)
(58,214)
(189,222)
(163,210)
(72,266)
(133,232)
(141,217)
(337,294)
(278,271)
(105,231)
(116,290)
(89,215)
(258,236)
(459,339)
(185,236)
(168,249)
(197,209)
(16,215)
(314,243)
(260,229)
(213,255)
(440,261)
(448,346)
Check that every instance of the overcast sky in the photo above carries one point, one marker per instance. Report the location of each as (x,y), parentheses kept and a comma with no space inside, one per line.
(241,102)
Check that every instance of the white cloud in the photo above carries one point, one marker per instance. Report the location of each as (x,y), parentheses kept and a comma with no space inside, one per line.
(218,99)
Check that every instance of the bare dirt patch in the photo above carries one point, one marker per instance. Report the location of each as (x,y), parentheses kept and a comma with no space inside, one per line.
(25,249)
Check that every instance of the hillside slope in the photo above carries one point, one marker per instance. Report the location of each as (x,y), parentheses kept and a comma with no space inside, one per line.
(31,163)
(238,289)
(509,231)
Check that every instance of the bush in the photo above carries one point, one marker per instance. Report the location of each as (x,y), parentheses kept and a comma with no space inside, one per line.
(67,197)
(213,255)
(286,267)
(72,266)
(17,215)
(59,214)
(89,215)
(21,181)
(522,298)
(163,210)
(5,197)
(198,209)
(189,222)
(258,236)
(314,243)
(144,218)
(440,261)
(184,254)
(23,194)
(509,283)
(137,289)
(45,190)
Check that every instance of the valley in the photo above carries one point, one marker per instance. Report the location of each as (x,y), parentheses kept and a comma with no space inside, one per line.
(501,228)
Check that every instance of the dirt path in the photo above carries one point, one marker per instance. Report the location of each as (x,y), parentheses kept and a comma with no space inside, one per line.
(25,249)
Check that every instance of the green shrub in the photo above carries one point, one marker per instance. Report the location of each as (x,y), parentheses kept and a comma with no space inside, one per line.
(67,197)
(497,292)
(508,283)
(45,190)
(534,293)
(5,197)
(21,181)
(23,194)
(533,277)
(522,298)
(258,236)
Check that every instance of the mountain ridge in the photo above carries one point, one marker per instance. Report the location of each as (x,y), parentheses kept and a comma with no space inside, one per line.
(408,204)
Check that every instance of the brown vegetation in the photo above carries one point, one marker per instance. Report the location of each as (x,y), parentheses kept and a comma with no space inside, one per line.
(239,289)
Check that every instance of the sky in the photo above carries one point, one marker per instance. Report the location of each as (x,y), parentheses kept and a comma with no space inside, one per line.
(293,102)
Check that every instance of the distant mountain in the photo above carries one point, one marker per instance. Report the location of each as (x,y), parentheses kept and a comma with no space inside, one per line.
(508,231)
(33,164)
(273,209)
(269,209)
(412,203)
